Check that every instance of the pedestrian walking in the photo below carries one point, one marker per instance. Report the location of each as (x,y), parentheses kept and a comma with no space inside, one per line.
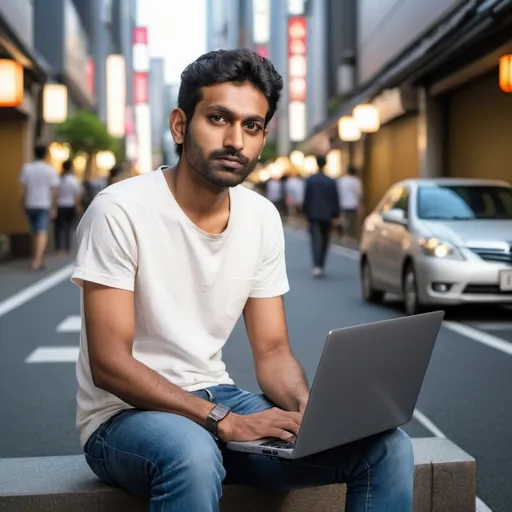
(68,208)
(39,183)
(321,207)
(350,190)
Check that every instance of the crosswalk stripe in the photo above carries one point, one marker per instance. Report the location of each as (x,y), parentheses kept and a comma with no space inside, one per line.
(53,355)
(70,324)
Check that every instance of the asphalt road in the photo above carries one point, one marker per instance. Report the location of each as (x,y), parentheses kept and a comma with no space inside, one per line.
(466,393)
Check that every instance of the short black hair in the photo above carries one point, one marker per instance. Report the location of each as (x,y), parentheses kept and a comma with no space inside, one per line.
(40,151)
(351,170)
(321,161)
(220,66)
(67,166)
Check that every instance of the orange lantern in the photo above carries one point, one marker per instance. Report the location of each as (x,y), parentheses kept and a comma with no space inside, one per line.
(506,73)
(11,83)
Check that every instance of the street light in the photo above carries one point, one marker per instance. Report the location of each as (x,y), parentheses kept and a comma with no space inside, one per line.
(11,83)
(297,158)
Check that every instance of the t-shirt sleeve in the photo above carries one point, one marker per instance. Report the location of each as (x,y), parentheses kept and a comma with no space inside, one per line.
(23,176)
(272,279)
(107,248)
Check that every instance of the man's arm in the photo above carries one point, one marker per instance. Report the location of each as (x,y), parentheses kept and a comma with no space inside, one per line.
(278,373)
(110,324)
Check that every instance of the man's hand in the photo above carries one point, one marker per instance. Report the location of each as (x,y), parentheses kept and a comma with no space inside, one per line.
(270,423)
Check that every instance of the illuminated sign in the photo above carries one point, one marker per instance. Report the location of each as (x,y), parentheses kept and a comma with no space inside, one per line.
(297,72)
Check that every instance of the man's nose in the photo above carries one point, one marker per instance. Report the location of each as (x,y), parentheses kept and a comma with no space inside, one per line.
(234,137)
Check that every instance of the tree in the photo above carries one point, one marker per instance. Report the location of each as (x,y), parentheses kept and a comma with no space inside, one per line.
(85,133)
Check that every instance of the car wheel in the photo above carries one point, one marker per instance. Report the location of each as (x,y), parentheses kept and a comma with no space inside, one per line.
(370,294)
(412,305)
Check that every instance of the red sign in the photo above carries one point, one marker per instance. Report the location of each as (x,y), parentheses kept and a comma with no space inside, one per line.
(297,49)
(140,88)
(140,35)
(262,50)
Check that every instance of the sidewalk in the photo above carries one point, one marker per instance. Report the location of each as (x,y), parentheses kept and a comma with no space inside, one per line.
(17,275)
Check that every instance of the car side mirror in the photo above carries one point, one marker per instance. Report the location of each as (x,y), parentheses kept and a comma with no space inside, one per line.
(394,216)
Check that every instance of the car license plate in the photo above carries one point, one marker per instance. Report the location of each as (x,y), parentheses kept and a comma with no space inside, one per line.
(506,280)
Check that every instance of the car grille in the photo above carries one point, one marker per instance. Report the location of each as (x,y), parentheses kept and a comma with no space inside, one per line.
(495,255)
(484,289)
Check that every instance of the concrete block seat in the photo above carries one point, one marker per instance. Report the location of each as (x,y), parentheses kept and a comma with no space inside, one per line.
(445,481)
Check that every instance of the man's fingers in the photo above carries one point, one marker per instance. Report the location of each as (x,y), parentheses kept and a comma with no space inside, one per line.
(281,434)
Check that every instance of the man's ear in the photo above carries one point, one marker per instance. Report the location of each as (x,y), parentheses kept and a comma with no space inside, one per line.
(178,125)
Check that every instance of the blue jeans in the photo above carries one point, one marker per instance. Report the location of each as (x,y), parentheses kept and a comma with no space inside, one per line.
(180,467)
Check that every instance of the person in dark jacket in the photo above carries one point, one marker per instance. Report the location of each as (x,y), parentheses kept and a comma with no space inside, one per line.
(321,207)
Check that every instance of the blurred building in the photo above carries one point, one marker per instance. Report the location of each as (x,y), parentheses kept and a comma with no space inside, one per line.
(57,56)
(157,107)
(431,70)
(23,72)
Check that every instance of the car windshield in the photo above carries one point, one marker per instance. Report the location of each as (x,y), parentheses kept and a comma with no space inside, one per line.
(464,202)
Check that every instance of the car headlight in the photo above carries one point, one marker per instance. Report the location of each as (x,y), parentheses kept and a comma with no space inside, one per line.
(439,249)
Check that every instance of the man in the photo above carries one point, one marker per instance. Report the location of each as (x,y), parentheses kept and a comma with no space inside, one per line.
(167,262)
(39,189)
(350,190)
(321,207)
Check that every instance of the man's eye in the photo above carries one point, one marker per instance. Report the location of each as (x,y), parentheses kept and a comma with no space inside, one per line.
(254,127)
(216,118)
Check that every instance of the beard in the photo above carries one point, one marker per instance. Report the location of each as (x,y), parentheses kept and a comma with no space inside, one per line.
(211,169)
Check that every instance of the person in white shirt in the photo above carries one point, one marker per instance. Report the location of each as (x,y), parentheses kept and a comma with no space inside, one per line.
(68,207)
(39,186)
(350,191)
(167,263)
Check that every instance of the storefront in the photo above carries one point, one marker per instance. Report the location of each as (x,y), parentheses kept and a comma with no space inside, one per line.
(479,134)
(391,156)
(22,77)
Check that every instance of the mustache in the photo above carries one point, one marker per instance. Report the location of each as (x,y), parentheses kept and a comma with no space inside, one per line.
(232,154)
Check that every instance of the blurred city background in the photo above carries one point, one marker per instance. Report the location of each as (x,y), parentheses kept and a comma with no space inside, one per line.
(408,101)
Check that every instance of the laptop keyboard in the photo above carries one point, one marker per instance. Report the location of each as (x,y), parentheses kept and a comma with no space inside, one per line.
(279,444)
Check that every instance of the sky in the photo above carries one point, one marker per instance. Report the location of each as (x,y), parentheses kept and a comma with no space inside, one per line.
(176,32)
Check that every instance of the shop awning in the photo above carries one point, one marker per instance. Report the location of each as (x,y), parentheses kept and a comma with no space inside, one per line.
(440,43)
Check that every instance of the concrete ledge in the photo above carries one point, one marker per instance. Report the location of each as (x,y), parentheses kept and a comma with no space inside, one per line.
(445,481)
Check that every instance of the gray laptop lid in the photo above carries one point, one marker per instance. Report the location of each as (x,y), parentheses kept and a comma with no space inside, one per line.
(368,381)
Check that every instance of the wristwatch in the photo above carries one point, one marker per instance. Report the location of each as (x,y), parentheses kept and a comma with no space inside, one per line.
(219,412)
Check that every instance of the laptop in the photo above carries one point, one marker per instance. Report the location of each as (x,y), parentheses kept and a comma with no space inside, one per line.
(368,381)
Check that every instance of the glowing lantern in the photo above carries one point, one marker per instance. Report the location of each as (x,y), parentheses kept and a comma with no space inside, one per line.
(11,83)
(367,118)
(506,73)
(348,129)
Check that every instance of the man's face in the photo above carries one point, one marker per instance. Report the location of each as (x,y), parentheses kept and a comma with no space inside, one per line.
(227,132)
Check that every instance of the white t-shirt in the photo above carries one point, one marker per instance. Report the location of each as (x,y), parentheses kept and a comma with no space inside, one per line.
(275,190)
(39,178)
(350,191)
(69,188)
(295,188)
(190,287)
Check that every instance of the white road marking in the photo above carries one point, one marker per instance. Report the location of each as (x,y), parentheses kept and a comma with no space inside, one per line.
(429,425)
(481,337)
(345,252)
(494,326)
(32,291)
(53,355)
(481,506)
(70,324)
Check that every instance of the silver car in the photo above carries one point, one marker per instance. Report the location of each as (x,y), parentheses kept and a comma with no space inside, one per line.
(439,242)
